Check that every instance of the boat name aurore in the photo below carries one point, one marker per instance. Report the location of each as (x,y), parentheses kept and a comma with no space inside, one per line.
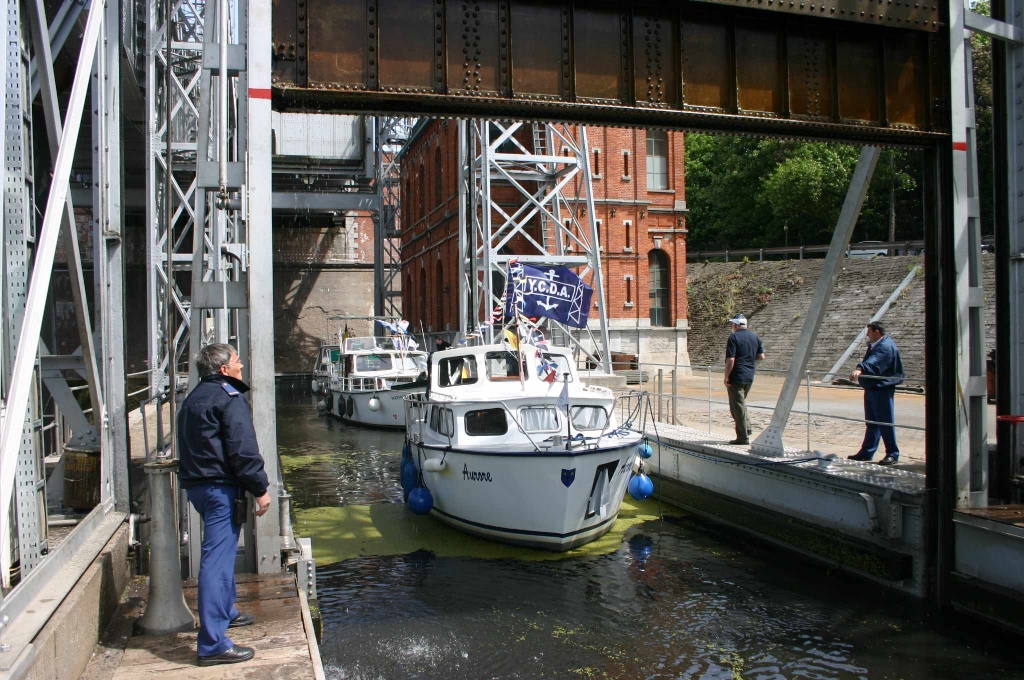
(474,476)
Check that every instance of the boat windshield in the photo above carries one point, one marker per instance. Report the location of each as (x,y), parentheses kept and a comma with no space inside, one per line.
(385,361)
(502,365)
(402,343)
(373,362)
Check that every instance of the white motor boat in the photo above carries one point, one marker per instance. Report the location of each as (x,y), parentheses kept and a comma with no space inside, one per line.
(327,355)
(500,457)
(372,377)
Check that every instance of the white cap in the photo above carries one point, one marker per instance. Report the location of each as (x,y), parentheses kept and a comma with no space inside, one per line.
(739,320)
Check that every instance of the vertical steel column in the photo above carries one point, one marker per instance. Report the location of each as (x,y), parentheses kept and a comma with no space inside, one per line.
(261,275)
(464,178)
(390,136)
(1008,147)
(970,426)
(19,238)
(108,260)
(594,252)
(769,442)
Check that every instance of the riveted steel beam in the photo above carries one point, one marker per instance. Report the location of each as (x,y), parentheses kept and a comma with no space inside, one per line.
(697,65)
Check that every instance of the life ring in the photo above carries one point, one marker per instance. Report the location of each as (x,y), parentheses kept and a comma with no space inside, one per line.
(349,407)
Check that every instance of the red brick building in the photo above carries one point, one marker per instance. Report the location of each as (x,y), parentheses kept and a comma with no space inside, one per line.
(640,200)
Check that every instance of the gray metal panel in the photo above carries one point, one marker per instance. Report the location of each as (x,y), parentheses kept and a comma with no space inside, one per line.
(294,200)
(319,135)
(210,295)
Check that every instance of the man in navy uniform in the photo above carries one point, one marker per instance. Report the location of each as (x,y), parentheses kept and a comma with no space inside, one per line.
(879,374)
(219,462)
(742,352)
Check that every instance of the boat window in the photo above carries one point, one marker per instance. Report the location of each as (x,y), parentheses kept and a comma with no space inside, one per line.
(486,422)
(539,419)
(442,421)
(335,355)
(415,363)
(589,418)
(502,365)
(373,362)
(457,371)
(561,366)
(359,344)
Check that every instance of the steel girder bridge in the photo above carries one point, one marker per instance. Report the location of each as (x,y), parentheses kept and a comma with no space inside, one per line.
(854,70)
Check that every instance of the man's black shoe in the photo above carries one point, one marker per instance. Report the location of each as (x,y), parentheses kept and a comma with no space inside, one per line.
(863,457)
(740,442)
(889,460)
(242,620)
(236,654)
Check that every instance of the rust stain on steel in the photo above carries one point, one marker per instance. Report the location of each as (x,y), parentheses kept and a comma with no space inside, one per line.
(795,67)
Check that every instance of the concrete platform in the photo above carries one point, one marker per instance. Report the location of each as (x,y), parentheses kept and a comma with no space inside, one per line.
(861,517)
(282,636)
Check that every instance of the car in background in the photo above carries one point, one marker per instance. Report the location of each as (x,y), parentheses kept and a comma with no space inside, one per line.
(866,250)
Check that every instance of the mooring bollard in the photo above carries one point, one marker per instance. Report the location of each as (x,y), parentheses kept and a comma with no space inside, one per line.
(288,543)
(166,611)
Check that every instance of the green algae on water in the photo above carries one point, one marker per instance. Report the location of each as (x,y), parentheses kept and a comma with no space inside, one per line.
(344,532)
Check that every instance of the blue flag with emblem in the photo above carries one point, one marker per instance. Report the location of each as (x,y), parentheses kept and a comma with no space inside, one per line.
(553,292)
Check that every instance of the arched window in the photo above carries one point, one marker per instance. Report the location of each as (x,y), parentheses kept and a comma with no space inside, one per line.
(422,198)
(438,178)
(407,298)
(440,293)
(659,287)
(422,311)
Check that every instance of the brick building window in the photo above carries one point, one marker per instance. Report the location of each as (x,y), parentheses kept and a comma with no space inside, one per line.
(439,288)
(628,228)
(421,200)
(657,160)
(438,179)
(625,164)
(600,237)
(629,290)
(597,162)
(407,298)
(659,288)
(422,311)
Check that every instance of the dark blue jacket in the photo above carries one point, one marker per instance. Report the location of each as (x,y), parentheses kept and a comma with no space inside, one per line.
(882,358)
(216,439)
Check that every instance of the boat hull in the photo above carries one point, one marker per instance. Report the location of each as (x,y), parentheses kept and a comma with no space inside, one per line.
(390,415)
(552,500)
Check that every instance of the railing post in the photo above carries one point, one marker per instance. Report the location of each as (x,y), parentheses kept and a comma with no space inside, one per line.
(807,374)
(709,400)
(674,395)
(661,390)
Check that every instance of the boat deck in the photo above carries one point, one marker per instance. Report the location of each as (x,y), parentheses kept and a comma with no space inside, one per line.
(282,636)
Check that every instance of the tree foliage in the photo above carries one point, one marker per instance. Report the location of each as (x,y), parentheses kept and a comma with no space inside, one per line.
(752,193)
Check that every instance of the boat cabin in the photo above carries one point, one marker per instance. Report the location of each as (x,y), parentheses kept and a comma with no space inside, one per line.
(377,363)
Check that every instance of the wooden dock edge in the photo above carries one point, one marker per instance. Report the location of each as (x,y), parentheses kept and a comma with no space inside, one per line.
(314,648)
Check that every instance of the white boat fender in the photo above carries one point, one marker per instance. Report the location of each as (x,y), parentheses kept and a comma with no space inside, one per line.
(374,403)
(321,405)
(315,386)
(434,465)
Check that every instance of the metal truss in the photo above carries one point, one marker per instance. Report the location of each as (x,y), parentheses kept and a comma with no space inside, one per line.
(171,143)
(28,564)
(551,221)
(391,136)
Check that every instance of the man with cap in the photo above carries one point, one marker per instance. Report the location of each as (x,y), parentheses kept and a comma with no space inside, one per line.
(879,374)
(220,460)
(742,352)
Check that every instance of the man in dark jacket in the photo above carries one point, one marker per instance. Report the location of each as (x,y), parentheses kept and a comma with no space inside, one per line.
(219,461)
(742,352)
(879,374)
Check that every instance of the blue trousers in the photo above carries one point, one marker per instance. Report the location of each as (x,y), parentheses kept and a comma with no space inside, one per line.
(214,504)
(880,406)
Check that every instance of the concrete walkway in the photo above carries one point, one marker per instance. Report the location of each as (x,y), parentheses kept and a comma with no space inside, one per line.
(830,435)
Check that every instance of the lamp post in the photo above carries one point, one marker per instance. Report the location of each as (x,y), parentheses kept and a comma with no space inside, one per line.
(785,235)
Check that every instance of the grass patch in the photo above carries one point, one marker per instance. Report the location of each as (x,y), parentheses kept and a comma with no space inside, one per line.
(345,532)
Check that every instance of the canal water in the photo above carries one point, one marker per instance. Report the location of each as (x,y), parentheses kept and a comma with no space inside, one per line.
(405,597)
